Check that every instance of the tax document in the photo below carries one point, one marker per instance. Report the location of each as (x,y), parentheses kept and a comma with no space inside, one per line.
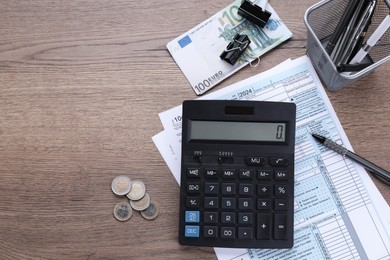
(338,211)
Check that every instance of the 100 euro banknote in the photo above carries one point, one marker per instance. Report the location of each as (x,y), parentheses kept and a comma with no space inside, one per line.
(197,51)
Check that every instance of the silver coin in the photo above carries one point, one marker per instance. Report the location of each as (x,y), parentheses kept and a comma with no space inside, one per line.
(123,211)
(121,185)
(141,204)
(137,191)
(151,212)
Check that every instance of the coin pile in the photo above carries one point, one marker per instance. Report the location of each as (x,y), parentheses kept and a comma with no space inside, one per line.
(139,199)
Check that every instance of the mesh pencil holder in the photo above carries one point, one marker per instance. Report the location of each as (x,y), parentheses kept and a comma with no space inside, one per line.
(321,20)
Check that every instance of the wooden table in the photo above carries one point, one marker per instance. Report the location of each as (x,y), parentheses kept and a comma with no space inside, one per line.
(81,86)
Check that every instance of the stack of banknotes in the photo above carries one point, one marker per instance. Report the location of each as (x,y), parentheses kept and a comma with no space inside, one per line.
(197,51)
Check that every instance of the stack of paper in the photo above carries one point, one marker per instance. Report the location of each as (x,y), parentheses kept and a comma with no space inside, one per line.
(339,213)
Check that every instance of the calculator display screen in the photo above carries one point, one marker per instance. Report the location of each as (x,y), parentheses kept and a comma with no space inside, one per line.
(237,131)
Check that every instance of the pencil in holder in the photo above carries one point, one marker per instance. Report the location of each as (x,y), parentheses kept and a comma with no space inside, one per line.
(321,21)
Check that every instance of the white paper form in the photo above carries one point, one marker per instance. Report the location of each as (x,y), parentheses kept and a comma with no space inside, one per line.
(339,213)
(168,153)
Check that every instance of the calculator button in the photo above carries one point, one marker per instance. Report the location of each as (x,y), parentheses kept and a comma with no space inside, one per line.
(246,174)
(280,226)
(193,172)
(281,175)
(211,173)
(210,202)
(210,217)
(228,188)
(210,231)
(245,203)
(228,203)
(245,218)
(191,231)
(225,160)
(278,161)
(228,174)
(227,232)
(281,204)
(211,188)
(193,187)
(228,217)
(264,204)
(192,202)
(192,216)
(281,191)
(264,174)
(263,226)
(245,189)
(263,189)
(245,233)
(255,161)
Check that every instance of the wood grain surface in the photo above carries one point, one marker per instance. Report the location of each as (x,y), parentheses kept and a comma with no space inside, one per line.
(81,86)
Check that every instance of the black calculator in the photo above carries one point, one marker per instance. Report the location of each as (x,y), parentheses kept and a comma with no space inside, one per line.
(237,174)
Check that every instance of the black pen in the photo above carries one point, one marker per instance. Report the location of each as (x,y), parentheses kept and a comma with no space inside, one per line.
(345,152)
(341,26)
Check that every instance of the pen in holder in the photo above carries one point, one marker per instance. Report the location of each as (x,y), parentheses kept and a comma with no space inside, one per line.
(332,47)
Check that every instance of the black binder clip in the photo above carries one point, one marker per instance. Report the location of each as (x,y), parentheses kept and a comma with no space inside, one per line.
(235,48)
(254,13)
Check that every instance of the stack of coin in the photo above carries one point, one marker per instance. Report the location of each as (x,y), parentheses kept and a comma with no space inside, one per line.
(139,199)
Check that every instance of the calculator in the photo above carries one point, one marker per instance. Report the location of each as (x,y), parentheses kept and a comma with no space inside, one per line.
(237,174)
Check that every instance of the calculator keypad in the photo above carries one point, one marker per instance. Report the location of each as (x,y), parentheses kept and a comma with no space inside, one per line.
(247,204)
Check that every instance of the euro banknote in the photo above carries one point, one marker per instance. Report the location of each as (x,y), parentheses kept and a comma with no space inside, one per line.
(197,51)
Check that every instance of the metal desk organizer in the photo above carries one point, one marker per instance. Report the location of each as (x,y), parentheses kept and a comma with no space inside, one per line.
(321,20)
